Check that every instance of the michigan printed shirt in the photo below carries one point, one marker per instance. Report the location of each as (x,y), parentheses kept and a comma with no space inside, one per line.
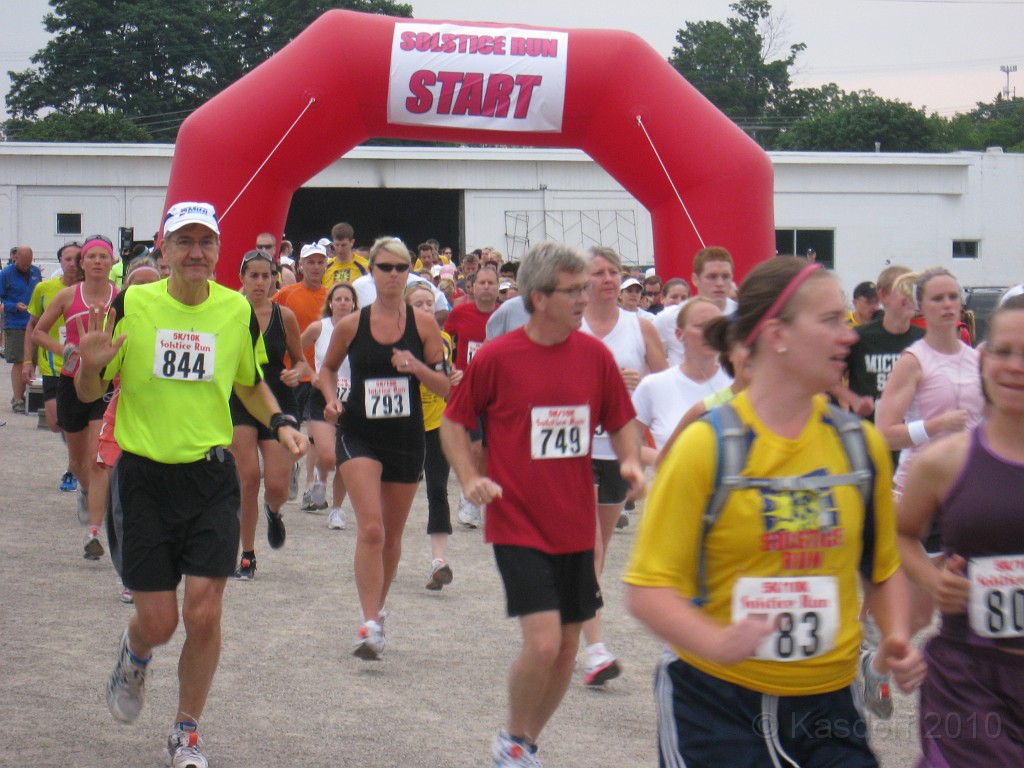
(178,364)
(794,557)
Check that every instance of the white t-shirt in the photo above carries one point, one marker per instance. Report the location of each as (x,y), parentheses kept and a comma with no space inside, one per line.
(626,343)
(662,399)
(665,324)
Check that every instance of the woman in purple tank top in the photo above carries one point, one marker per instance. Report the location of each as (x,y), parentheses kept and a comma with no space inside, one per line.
(973,697)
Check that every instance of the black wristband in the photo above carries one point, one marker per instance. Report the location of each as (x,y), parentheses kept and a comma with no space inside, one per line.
(279,420)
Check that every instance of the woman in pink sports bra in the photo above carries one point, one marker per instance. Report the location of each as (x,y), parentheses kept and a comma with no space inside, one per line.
(80,421)
(934,388)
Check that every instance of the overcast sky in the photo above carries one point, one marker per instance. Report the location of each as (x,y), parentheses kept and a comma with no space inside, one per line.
(944,55)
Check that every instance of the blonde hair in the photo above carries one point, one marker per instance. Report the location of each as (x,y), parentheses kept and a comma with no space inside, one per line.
(391,245)
(906,284)
(687,305)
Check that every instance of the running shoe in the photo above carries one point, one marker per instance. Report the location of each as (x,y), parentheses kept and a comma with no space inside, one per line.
(293,483)
(601,665)
(127,596)
(623,521)
(468,514)
(18,406)
(510,752)
(185,749)
(370,642)
(275,528)
(307,504)
(336,520)
(83,506)
(318,496)
(875,688)
(246,570)
(126,688)
(440,575)
(93,549)
(68,483)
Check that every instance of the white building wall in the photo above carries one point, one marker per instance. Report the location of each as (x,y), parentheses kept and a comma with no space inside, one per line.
(882,208)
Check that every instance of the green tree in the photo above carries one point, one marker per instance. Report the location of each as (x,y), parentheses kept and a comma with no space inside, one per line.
(77,127)
(856,121)
(155,61)
(737,64)
(998,124)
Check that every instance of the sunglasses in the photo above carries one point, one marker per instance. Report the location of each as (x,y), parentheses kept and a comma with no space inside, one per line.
(264,247)
(251,255)
(101,238)
(401,267)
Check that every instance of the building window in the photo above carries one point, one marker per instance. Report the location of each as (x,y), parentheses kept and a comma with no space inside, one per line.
(69,223)
(799,242)
(965,249)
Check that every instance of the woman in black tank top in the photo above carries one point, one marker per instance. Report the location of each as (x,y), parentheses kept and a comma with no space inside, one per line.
(380,440)
(251,439)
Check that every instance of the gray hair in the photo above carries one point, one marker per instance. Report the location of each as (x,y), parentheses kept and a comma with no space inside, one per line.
(607,254)
(540,267)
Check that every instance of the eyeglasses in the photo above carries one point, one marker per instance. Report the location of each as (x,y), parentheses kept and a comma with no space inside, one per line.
(575,292)
(208,243)
(1004,354)
(400,267)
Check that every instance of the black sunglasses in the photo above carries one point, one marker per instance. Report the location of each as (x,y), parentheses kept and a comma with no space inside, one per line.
(101,238)
(401,267)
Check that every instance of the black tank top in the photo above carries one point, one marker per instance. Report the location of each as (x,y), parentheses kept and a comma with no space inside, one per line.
(276,346)
(371,412)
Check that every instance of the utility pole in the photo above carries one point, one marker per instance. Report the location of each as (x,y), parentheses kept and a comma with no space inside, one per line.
(1007,69)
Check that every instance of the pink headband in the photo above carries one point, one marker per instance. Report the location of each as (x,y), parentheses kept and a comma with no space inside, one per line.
(93,243)
(781,300)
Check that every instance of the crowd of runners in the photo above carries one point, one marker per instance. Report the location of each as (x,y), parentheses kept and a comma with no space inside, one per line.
(787,552)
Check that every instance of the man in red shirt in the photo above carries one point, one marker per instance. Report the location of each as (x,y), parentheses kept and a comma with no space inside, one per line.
(467,325)
(541,392)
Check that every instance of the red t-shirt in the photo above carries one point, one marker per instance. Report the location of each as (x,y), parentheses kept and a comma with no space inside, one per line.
(467,326)
(540,407)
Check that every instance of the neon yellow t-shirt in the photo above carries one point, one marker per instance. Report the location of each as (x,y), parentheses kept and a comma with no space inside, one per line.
(178,365)
(49,363)
(347,272)
(763,534)
(433,405)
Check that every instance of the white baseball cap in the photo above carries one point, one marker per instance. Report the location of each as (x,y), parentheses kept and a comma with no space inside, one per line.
(311,248)
(629,283)
(182,214)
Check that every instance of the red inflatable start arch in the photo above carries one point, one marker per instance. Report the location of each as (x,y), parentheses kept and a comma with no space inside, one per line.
(608,93)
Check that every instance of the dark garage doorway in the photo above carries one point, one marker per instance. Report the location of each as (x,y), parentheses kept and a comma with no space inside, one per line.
(414,215)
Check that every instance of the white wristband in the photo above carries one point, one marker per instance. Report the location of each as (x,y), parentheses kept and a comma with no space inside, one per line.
(918,434)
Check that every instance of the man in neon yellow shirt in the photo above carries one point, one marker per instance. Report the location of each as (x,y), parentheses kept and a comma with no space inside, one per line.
(181,347)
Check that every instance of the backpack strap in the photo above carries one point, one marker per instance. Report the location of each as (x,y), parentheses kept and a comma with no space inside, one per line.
(733,443)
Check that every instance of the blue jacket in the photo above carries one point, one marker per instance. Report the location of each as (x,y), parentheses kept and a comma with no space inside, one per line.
(16,288)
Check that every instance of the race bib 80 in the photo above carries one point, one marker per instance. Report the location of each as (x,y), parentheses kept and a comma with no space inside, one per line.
(184,355)
(559,431)
(803,612)
(996,604)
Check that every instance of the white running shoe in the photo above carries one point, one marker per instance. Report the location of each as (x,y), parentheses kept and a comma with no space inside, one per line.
(469,514)
(370,642)
(601,665)
(126,689)
(185,749)
(336,520)
(509,752)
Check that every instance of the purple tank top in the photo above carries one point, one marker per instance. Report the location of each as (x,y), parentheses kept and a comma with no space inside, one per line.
(983,515)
